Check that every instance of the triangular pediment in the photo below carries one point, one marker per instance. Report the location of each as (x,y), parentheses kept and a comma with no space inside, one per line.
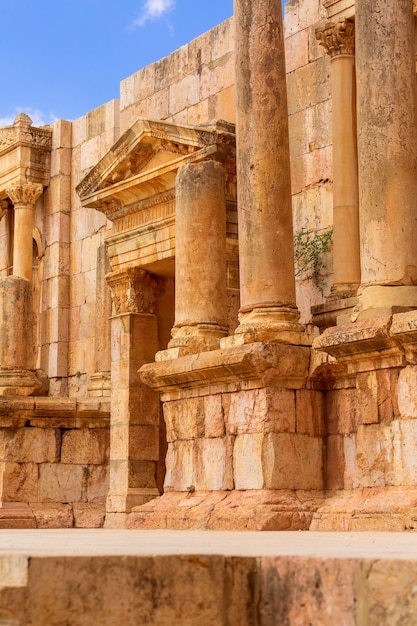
(146,158)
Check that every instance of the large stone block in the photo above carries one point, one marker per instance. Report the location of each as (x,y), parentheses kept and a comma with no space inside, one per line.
(407,386)
(342,411)
(19,482)
(29,445)
(213,464)
(60,483)
(278,461)
(85,446)
(184,419)
(260,411)
(310,412)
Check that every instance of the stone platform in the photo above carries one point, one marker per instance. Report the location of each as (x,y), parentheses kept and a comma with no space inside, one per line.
(110,577)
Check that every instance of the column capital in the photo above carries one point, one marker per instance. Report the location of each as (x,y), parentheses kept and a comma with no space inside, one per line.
(338,38)
(24,194)
(133,290)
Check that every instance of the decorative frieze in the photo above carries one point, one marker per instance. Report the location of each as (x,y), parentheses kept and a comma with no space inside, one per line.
(338,38)
(133,291)
(22,133)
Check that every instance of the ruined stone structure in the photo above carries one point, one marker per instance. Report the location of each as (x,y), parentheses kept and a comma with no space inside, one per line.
(164,362)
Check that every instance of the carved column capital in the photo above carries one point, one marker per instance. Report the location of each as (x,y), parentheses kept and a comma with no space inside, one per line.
(133,291)
(24,194)
(338,38)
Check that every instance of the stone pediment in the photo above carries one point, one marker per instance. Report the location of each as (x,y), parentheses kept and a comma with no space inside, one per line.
(144,162)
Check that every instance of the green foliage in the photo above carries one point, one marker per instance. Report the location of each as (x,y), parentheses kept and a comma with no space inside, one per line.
(309,250)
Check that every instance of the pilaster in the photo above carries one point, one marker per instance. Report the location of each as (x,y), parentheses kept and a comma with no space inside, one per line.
(134,420)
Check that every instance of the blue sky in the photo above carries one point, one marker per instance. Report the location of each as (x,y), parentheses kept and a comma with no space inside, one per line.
(59,59)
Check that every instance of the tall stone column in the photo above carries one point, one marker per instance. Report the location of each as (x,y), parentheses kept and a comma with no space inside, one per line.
(100,384)
(387,145)
(134,418)
(23,197)
(267,283)
(4,237)
(200,259)
(338,38)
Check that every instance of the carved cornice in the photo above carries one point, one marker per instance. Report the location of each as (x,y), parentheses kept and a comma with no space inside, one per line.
(22,133)
(24,195)
(337,38)
(133,291)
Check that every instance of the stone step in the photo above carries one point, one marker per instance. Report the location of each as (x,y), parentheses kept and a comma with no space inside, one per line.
(205,578)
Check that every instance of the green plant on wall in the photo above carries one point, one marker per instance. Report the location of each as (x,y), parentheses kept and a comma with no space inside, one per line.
(310,249)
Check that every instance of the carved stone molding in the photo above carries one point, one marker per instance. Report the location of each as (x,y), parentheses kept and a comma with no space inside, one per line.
(24,195)
(133,291)
(22,132)
(338,38)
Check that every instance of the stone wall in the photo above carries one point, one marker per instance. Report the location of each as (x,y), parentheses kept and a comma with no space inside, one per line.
(310,126)
(54,456)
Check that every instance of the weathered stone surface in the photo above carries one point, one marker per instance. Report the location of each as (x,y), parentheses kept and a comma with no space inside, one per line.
(229,510)
(260,411)
(60,483)
(278,461)
(85,446)
(88,515)
(19,482)
(52,515)
(30,445)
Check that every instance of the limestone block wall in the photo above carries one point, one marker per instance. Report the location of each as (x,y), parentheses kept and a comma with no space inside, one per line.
(310,128)
(193,85)
(54,461)
(92,136)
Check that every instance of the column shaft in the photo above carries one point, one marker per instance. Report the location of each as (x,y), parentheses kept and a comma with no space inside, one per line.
(338,38)
(24,198)
(266,249)
(387,142)
(200,258)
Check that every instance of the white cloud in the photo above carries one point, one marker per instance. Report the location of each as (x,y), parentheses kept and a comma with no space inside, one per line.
(39,118)
(154,10)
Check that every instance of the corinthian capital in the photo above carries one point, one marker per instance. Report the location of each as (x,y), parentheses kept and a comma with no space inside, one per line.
(24,195)
(337,38)
(133,290)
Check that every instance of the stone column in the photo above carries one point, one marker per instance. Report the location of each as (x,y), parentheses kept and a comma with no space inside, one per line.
(17,377)
(338,38)
(134,419)
(4,237)
(23,197)
(267,283)
(200,259)
(100,384)
(387,146)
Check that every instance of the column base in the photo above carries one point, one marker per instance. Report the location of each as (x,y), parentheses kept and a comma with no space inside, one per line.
(100,385)
(333,311)
(18,383)
(119,506)
(269,324)
(192,340)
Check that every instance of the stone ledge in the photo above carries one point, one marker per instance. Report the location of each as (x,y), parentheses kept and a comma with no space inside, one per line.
(53,412)
(382,342)
(267,363)
(368,509)
(228,510)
